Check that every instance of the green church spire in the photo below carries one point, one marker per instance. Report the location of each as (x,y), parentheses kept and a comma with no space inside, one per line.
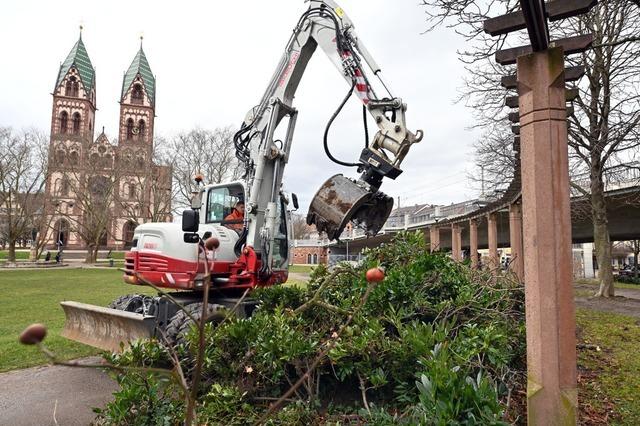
(78,58)
(140,66)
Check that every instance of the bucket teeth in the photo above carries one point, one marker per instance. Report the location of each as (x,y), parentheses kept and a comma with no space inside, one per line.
(341,200)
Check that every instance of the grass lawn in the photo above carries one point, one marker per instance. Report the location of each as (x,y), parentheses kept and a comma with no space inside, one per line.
(609,369)
(305,269)
(33,296)
(20,255)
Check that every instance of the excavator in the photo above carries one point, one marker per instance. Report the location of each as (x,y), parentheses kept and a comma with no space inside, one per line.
(231,257)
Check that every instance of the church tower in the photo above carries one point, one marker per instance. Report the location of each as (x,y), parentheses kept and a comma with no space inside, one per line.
(72,128)
(74,105)
(137,105)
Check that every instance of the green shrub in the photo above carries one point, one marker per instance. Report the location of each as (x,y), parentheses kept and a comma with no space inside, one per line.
(628,279)
(432,344)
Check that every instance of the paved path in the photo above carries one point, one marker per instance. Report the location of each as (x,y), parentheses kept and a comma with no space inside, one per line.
(626,301)
(30,397)
(299,276)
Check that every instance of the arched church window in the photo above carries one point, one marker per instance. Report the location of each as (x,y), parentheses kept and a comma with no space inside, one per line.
(136,94)
(95,159)
(76,123)
(132,190)
(74,158)
(107,161)
(56,186)
(64,122)
(141,129)
(127,233)
(61,232)
(130,129)
(64,187)
(72,86)
(60,154)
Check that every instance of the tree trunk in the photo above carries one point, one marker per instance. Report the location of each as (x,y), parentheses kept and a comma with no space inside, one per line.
(636,251)
(601,237)
(90,257)
(11,256)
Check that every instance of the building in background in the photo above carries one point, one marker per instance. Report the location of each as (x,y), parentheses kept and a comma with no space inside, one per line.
(99,190)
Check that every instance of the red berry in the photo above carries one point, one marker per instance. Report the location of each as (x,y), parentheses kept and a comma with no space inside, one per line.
(33,334)
(375,275)
(212,243)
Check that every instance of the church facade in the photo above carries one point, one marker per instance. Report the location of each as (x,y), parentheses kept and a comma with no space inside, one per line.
(97,190)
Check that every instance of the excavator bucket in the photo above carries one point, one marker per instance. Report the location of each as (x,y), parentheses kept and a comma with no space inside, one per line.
(104,328)
(341,200)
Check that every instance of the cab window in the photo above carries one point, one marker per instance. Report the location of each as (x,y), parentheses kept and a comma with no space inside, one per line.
(221,201)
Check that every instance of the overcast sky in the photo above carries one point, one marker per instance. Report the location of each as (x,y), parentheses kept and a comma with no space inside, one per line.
(214,59)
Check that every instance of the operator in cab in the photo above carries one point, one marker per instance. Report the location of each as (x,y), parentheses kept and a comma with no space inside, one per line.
(235,219)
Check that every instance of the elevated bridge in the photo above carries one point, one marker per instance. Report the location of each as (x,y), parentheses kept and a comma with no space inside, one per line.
(497,223)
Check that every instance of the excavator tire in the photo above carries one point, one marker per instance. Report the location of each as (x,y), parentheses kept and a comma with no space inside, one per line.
(129,303)
(180,324)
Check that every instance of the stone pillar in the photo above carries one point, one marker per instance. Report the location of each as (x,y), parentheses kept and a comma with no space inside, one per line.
(515,237)
(434,237)
(473,243)
(587,258)
(492,232)
(550,313)
(456,242)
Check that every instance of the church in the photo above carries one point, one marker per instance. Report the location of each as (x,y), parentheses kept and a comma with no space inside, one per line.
(97,190)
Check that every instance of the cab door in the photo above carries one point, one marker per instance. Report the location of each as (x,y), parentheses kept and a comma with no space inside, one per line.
(280,243)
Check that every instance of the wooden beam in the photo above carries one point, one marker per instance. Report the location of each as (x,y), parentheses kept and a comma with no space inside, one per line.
(570,95)
(570,74)
(512,101)
(570,45)
(556,10)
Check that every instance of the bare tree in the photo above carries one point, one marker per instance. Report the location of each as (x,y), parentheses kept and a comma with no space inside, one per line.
(23,163)
(604,128)
(84,195)
(146,195)
(301,230)
(200,151)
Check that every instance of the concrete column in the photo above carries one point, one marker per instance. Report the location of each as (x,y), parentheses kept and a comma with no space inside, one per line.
(550,313)
(492,232)
(456,242)
(587,255)
(434,236)
(515,237)
(473,243)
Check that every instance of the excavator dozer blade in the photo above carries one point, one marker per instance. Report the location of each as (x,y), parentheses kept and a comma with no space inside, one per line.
(341,200)
(104,328)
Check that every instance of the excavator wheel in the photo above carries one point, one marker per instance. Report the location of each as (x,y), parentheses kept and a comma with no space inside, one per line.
(180,324)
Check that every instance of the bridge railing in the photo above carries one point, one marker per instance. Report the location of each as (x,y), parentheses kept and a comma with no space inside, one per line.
(617,177)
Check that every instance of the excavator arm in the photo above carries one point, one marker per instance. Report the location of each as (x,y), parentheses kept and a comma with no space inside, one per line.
(340,200)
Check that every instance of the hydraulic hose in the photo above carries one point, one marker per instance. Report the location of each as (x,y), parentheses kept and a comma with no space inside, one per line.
(326,130)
